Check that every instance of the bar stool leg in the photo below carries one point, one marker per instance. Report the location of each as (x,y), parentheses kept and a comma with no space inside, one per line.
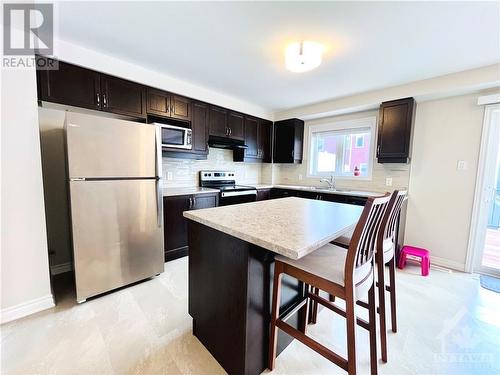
(381,302)
(392,288)
(350,316)
(273,337)
(372,314)
(314,314)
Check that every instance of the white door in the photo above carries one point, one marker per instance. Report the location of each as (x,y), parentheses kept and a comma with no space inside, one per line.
(485,231)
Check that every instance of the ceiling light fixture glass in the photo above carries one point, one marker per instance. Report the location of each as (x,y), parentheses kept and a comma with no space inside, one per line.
(303,56)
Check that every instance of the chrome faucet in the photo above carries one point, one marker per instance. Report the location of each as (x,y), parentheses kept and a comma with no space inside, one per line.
(330,181)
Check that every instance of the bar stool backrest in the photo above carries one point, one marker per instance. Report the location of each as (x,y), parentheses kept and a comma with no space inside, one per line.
(389,222)
(364,240)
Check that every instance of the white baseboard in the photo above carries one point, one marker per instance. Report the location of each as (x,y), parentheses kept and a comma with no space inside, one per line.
(446,263)
(56,269)
(26,308)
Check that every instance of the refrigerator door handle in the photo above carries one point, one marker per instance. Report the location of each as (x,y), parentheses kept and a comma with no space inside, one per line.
(159,197)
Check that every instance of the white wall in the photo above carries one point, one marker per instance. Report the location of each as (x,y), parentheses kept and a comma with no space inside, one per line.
(440,196)
(24,261)
(468,81)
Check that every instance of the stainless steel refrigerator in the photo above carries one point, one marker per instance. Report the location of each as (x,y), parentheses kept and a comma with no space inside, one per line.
(114,170)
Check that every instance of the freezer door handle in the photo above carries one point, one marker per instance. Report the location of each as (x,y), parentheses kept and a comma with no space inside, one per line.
(159,196)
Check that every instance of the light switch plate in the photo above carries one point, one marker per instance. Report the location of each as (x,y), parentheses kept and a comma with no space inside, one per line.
(388,181)
(461,165)
(169,176)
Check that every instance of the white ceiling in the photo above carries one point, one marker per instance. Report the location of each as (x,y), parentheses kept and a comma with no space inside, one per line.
(238,48)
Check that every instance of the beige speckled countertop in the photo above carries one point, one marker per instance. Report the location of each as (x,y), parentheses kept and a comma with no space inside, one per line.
(293,227)
(169,192)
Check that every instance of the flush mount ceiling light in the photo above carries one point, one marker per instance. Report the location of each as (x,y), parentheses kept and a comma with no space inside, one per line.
(303,56)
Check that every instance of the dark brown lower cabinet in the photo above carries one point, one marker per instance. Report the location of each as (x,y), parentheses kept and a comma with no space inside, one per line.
(263,194)
(330,197)
(175,225)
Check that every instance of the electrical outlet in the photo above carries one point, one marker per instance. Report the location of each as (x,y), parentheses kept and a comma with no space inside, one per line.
(300,177)
(461,165)
(388,181)
(169,176)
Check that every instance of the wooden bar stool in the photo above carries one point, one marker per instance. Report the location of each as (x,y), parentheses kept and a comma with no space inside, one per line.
(384,257)
(346,274)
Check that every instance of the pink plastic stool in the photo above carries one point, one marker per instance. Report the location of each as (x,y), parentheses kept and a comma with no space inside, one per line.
(425,261)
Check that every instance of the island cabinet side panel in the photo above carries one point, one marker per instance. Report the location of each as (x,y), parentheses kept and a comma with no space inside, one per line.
(217,294)
(230,286)
(260,288)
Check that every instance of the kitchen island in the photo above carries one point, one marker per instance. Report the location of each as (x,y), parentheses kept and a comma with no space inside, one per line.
(231,256)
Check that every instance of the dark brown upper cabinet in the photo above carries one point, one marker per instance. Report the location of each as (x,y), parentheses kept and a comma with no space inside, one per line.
(258,135)
(288,141)
(180,108)
(199,126)
(71,85)
(396,120)
(265,140)
(123,97)
(218,121)
(80,87)
(158,102)
(235,125)
(252,137)
(225,123)
(162,103)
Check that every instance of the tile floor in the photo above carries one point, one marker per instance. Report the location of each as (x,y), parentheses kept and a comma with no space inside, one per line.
(447,325)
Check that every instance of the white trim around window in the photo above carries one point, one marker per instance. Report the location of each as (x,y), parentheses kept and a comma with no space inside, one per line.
(369,123)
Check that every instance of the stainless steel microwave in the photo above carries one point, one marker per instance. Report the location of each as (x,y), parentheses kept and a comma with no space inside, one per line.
(175,136)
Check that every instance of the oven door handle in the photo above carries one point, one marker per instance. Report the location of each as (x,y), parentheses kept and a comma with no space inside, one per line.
(238,193)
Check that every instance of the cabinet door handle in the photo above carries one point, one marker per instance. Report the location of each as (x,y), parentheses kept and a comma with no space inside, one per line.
(378,150)
(190,202)
(104,101)
(98,100)
(230,131)
(194,201)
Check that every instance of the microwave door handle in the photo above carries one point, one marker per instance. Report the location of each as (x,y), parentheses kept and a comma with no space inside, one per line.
(159,197)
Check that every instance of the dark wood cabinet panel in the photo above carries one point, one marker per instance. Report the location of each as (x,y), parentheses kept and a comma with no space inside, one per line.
(175,224)
(204,201)
(71,85)
(218,121)
(236,125)
(395,125)
(252,137)
(330,197)
(165,104)
(265,140)
(158,102)
(123,97)
(263,194)
(283,193)
(199,126)
(288,141)
(180,107)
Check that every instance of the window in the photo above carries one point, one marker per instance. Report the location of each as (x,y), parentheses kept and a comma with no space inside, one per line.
(360,141)
(343,149)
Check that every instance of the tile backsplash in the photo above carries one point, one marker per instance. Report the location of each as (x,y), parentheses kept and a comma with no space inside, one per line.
(288,174)
(185,171)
